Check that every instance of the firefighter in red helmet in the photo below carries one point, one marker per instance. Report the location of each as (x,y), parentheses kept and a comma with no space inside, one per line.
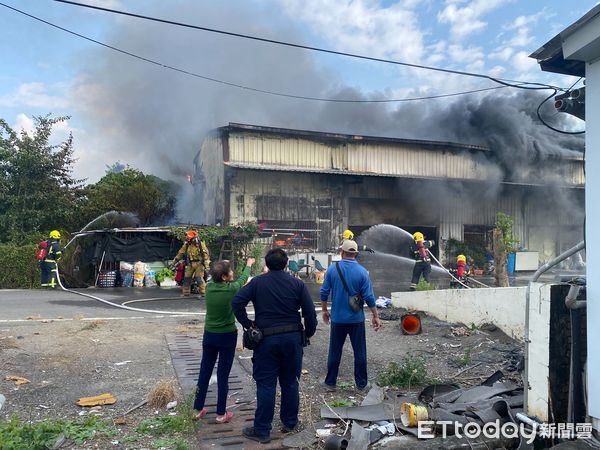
(194,254)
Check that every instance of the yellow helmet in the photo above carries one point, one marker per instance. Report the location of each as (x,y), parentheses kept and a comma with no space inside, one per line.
(462,258)
(418,236)
(347,234)
(55,234)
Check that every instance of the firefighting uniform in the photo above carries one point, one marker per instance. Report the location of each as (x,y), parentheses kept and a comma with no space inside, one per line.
(197,260)
(48,266)
(422,264)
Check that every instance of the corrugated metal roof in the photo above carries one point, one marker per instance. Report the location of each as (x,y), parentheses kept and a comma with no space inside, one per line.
(341,138)
(283,168)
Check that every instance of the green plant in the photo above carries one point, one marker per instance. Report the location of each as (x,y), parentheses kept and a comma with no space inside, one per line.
(340,403)
(19,266)
(423,285)
(164,273)
(474,253)
(183,422)
(508,241)
(465,359)
(410,372)
(345,385)
(17,435)
(175,444)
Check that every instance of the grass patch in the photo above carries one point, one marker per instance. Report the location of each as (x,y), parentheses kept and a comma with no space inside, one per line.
(17,435)
(340,403)
(409,372)
(423,285)
(93,325)
(345,385)
(175,444)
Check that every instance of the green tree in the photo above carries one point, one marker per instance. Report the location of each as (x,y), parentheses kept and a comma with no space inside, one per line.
(149,197)
(37,190)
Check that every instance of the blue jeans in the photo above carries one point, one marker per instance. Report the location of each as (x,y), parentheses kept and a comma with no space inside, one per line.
(215,345)
(277,357)
(337,338)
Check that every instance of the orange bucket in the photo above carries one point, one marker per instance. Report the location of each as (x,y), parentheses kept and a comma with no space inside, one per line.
(410,324)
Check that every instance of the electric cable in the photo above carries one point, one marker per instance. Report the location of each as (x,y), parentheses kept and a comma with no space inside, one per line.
(506,82)
(550,126)
(241,86)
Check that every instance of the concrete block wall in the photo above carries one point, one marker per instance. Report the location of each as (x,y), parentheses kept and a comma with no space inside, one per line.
(504,307)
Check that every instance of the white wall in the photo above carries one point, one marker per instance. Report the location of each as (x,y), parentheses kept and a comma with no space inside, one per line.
(539,352)
(592,189)
(504,307)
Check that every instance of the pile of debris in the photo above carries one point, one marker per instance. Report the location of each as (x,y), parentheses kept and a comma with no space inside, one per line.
(388,419)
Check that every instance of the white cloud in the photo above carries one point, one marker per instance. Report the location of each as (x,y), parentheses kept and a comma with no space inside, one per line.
(523,63)
(34,95)
(503,54)
(467,19)
(24,123)
(363,26)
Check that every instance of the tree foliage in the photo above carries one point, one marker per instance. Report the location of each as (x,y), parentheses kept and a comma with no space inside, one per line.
(37,189)
(130,190)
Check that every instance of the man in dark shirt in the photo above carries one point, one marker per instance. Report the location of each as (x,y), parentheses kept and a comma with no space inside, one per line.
(277,298)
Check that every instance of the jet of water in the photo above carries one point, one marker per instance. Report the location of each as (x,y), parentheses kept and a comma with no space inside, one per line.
(113,219)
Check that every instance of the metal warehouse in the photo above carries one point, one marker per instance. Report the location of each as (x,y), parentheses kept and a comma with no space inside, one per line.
(326,182)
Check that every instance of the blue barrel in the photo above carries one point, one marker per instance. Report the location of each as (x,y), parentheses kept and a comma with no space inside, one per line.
(511,263)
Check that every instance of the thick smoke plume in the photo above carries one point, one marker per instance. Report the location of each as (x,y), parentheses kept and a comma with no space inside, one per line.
(156,119)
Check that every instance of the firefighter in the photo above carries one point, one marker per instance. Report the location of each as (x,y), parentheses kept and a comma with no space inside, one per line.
(461,272)
(420,251)
(196,259)
(349,235)
(48,264)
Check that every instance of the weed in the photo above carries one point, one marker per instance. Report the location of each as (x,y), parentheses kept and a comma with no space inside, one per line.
(424,286)
(473,327)
(465,359)
(183,422)
(15,434)
(93,325)
(345,385)
(410,372)
(175,444)
(340,403)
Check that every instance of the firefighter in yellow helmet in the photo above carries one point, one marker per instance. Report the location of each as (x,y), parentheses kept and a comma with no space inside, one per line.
(349,235)
(48,254)
(419,248)
(194,254)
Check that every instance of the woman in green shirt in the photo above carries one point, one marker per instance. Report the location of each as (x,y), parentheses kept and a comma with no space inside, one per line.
(220,336)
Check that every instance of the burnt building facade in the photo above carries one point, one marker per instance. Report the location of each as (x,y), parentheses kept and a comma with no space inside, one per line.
(295,179)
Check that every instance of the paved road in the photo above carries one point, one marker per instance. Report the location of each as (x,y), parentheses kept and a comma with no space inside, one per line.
(19,305)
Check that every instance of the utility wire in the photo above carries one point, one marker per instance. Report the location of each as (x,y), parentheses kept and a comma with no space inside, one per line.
(506,82)
(241,86)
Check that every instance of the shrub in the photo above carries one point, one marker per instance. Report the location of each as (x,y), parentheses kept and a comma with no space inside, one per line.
(19,268)
(410,372)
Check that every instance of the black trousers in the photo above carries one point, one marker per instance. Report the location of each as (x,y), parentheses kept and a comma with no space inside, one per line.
(48,278)
(421,268)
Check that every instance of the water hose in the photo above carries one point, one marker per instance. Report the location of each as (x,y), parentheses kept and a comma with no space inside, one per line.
(447,271)
(116,305)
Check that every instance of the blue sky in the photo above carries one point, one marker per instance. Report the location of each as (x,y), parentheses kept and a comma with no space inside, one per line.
(45,70)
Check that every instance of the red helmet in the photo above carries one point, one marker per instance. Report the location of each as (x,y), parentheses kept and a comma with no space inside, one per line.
(191,234)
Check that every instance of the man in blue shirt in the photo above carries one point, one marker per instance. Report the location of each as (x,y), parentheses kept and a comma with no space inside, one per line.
(277,298)
(344,321)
